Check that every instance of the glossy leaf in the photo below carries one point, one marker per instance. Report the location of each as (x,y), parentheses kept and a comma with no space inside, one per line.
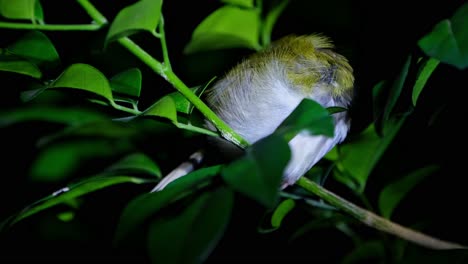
(194,233)
(10,64)
(394,192)
(69,115)
(448,40)
(425,71)
(165,107)
(144,15)
(57,162)
(360,155)
(73,191)
(144,206)
(181,103)
(127,84)
(84,77)
(36,47)
(308,115)
(258,174)
(136,162)
(18,9)
(241,3)
(227,27)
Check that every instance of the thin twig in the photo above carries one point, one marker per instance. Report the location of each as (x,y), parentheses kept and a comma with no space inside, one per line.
(375,221)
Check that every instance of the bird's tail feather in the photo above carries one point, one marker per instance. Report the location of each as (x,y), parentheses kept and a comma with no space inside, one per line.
(183,169)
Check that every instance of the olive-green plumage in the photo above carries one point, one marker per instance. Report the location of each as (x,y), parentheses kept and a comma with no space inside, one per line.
(261,91)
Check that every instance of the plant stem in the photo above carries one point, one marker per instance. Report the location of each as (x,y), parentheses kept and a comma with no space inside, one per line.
(144,56)
(165,71)
(55,27)
(196,129)
(375,221)
(125,109)
(93,12)
(172,78)
(162,38)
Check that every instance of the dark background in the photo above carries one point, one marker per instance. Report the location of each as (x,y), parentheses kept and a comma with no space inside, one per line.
(375,36)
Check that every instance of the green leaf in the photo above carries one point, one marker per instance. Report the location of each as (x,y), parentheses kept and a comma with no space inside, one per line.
(126,86)
(139,210)
(15,65)
(36,47)
(394,192)
(379,97)
(18,9)
(448,40)
(333,154)
(308,115)
(68,116)
(181,103)
(372,251)
(57,162)
(227,27)
(258,174)
(270,20)
(281,211)
(66,216)
(127,83)
(38,13)
(84,77)
(144,15)
(360,155)
(425,71)
(393,96)
(190,236)
(134,163)
(241,3)
(73,191)
(164,107)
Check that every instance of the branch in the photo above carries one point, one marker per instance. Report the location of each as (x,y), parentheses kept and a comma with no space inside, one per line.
(375,221)
(173,79)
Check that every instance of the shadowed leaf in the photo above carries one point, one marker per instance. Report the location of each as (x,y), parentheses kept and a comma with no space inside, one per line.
(194,232)
(258,174)
(448,40)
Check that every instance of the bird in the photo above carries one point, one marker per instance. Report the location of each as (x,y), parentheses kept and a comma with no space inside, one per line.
(262,90)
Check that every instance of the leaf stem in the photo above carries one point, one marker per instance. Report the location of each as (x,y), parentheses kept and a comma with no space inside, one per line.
(372,220)
(162,38)
(99,18)
(125,109)
(54,27)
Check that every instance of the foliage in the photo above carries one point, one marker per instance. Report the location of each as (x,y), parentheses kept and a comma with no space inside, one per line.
(93,124)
